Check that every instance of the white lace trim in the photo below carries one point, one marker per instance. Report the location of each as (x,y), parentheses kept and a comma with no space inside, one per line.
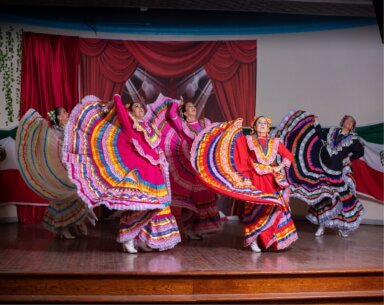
(287,162)
(192,134)
(136,125)
(260,158)
(334,150)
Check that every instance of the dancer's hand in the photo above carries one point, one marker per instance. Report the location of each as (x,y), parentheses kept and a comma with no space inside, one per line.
(315,119)
(108,106)
(247,182)
(346,161)
(161,157)
(278,168)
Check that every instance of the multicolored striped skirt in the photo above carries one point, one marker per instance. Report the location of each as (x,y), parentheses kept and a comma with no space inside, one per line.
(269,225)
(158,230)
(39,153)
(331,197)
(200,212)
(267,218)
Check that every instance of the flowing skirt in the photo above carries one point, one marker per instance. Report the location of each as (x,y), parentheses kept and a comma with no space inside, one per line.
(269,225)
(217,156)
(158,230)
(110,169)
(200,212)
(330,195)
(39,152)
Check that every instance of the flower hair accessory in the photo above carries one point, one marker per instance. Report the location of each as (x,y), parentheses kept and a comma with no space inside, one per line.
(52,116)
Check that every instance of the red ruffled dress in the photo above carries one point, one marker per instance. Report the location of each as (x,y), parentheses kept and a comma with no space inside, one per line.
(242,167)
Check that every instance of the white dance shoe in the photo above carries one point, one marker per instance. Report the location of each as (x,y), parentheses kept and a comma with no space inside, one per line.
(81,229)
(320,231)
(92,218)
(193,236)
(143,246)
(255,247)
(129,247)
(64,233)
(343,234)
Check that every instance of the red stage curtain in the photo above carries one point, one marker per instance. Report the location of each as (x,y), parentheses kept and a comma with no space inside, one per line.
(233,73)
(171,59)
(231,65)
(106,65)
(49,74)
(49,78)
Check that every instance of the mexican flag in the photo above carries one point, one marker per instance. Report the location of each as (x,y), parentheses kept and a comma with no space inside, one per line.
(30,207)
(368,171)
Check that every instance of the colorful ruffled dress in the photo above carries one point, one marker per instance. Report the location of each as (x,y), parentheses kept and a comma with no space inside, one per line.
(321,175)
(199,203)
(39,156)
(241,166)
(116,161)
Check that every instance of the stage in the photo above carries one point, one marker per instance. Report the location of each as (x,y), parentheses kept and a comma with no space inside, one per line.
(37,267)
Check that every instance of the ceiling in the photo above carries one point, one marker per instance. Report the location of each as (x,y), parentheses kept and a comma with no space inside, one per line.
(340,8)
(358,8)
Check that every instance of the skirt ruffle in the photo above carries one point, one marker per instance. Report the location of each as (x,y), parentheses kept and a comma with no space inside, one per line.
(331,197)
(158,230)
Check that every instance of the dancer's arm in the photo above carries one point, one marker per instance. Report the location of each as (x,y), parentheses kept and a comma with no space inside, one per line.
(174,117)
(357,150)
(287,158)
(126,121)
(319,131)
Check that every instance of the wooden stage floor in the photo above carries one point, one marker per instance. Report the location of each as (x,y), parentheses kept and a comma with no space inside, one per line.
(33,261)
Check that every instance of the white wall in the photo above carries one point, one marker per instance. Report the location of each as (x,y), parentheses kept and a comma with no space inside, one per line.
(8,213)
(329,73)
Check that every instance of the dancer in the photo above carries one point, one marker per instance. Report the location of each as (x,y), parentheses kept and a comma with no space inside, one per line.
(200,211)
(39,149)
(246,168)
(58,118)
(114,155)
(322,176)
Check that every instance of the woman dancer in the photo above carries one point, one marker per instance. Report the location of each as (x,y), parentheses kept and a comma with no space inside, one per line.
(247,168)
(200,211)
(39,150)
(322,176)
(126,171)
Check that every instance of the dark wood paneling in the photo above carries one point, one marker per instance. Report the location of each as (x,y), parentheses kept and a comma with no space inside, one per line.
(191,288)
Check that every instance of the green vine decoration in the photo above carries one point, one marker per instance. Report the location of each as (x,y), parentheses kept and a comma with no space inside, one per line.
(10,68)
(18,68)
